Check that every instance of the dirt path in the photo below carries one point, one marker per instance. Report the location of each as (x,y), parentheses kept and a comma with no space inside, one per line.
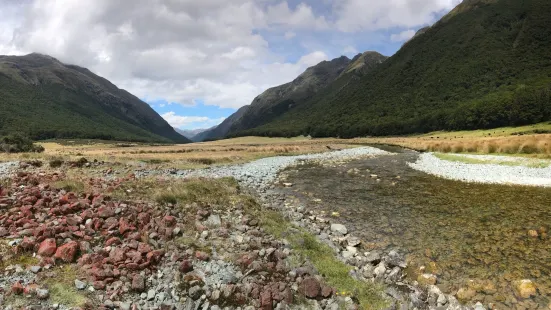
(494,235)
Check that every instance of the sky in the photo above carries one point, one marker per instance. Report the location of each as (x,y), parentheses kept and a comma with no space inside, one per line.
(197,61)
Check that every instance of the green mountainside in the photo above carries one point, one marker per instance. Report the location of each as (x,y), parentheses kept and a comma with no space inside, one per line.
(486,64)
(279,100)
(44,98)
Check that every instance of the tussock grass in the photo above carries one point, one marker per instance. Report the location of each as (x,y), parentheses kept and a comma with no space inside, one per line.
(70,185)
(322,256)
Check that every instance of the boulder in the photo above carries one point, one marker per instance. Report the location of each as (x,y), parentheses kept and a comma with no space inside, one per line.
(138,283)
(311,287)
(67,252)
(47,248)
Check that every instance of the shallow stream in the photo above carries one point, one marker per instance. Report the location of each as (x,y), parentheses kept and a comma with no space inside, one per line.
(478,238)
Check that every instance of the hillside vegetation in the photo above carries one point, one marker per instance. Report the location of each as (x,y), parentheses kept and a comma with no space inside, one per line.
(43,98)
(484,65)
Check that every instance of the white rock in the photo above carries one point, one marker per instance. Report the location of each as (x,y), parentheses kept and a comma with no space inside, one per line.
(339,228)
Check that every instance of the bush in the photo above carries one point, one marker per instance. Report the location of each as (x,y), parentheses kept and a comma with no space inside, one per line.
(56,163)
(19,144)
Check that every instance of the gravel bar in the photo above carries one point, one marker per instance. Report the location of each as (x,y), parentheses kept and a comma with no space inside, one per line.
(6,168)
(260,173)
(483,173)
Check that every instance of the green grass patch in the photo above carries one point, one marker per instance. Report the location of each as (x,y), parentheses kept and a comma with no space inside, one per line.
(70,185)
(335,272)
(62,287)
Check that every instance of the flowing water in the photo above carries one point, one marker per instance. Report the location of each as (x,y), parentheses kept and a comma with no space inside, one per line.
(480,238)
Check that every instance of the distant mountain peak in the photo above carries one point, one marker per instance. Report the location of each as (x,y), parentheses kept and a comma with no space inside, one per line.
(365,61)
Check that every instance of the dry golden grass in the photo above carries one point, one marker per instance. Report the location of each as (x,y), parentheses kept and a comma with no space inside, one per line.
(535,145)
(196,155)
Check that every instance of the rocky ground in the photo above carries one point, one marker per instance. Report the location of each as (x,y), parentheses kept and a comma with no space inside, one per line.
(95,250)
(484,173)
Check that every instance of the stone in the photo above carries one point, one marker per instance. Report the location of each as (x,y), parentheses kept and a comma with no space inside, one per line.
(353,241)
(67,252)
(465,294)
(138,283)
(524,288)
(479,306)
(186,266)
(533,233)
(266,302)
(379,271)
(42,293)
(47,248)
(195,292)
(200,255)
(395,259)
(213,221)
(79,284)
(352,249)
(35,269)
(17,288)
(310,287)
(151,294)
(372,257)
(339,228)
(427,279)
(347,254)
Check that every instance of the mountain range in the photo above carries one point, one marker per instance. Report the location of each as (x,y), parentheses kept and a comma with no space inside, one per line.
(486,64)
(192,133)
(45,99)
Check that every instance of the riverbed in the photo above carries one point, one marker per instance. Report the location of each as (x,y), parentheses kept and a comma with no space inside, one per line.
(476,238)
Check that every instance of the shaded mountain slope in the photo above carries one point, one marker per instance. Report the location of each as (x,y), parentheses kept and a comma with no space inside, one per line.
(44,98)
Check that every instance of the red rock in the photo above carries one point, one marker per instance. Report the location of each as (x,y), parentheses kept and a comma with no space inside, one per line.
(154,256)
(17,288)
(169,220)
(266,302)
(99,285)
(138,283)
(47,248)
(113,241)
(144,248)
(117,255)
(105,212)
(200,255)
(67,252)
(310,287)
(124,226)
(186,266)
(326,291)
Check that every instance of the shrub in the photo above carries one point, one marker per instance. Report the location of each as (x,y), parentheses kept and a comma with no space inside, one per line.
(19,144)
(56,163)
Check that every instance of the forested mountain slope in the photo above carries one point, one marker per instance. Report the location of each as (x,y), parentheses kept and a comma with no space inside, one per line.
(486,64)
(44,98)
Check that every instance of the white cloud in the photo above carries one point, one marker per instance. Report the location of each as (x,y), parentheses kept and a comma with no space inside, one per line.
(190,122)
(402,36)
(350,50)
(216,51)
(371,15)
(289,35)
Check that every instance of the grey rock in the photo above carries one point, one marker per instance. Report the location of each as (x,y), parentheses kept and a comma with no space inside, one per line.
(339,228)
(395,259)
(379,271)
(372,257)
(151,294)
(35,269)
(79,284)
(42,293)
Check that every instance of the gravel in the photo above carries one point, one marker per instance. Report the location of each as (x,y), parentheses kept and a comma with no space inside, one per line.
(262,172)
(6,168)
(483,173)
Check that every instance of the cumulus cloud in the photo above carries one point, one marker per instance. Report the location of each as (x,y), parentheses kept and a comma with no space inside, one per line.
(402,36)
(370,15)
(181,51)
(190,122)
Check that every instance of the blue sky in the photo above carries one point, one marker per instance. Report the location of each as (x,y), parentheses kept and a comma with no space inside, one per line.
(196,62)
